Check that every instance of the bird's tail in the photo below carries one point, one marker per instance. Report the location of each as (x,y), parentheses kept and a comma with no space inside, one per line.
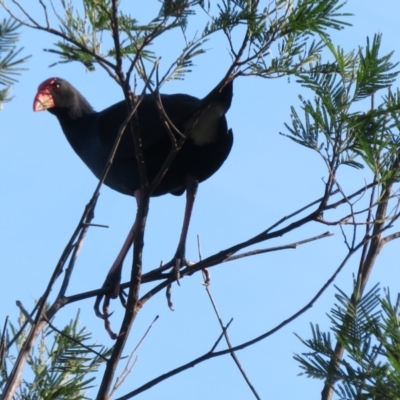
(221,94)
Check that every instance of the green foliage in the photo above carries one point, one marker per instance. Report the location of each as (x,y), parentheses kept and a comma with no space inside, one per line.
(89,37)
(286,24)
(84,37)
(335,123)
(62,364)
(369,331)
(9,61)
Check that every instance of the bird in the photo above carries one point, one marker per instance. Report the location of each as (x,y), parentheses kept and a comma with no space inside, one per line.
(92,134)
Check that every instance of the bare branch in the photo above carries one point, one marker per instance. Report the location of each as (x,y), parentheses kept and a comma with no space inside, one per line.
(224,328)
(242,346)
(128,367)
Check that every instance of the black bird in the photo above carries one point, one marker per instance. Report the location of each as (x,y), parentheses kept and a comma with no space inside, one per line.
(92,134)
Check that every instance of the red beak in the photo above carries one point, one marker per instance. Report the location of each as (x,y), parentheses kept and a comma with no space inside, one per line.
(43,100)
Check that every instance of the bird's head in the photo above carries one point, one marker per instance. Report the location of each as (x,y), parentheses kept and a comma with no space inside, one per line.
(57,93)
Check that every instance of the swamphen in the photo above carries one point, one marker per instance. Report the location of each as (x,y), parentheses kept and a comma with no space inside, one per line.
(92,134)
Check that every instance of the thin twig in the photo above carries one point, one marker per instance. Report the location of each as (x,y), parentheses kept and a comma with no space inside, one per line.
(128,368)
(72,339)
(228,342)
(278,248)
(22,328)
(3,347)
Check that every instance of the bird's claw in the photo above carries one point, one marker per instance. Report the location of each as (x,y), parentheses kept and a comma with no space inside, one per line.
(168,295)
(178,263)
(207,277)
(113,281)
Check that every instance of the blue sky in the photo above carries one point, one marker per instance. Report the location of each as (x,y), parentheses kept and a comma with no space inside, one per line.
(45,186)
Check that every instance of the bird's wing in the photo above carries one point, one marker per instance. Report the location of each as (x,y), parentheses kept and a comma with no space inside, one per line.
(178,107)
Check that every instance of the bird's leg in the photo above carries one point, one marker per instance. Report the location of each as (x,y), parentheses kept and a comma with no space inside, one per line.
(191,191)
(113,278)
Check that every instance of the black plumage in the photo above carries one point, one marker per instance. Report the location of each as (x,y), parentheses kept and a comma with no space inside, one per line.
(92,134)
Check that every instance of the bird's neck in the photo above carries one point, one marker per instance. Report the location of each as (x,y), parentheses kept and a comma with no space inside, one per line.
(77,126)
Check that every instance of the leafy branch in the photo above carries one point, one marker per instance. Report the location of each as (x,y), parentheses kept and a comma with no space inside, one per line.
(369,331)
(9,61)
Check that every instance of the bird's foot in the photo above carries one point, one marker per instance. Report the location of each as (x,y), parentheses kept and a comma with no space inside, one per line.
(103,300)
(112,283)
(206,277)
(105,316)
(168,294)
(176,264)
